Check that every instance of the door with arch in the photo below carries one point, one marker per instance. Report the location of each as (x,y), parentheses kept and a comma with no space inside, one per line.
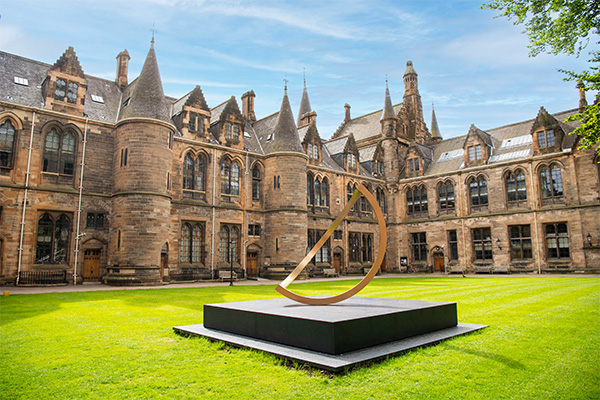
(91,264)
(438,261)
(252,263)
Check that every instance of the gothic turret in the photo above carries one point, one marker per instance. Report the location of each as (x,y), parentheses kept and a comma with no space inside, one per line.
(142,165)
(146,98)
(411,117)
(285,137)
(304,109)
(435,130)
(388,117)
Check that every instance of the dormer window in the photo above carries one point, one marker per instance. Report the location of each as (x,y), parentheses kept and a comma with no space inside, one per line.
(475,153)
(72,93)
(228,129)
(196,123)
(60,90)
(545,138)
(352,161)
(236,132)
(413,165)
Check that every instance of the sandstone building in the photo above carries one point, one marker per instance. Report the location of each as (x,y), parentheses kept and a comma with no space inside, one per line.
(114,181)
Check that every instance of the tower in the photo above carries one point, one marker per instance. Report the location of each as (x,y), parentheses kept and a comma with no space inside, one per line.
(141,188)
(413,124)
(389,141)
(285,200)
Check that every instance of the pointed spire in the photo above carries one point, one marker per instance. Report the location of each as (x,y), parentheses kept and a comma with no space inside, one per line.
(435,130)
(147,99)
(304,105)
(388,109)
(286,135)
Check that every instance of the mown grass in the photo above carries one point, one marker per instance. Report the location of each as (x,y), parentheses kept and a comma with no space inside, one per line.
(543,343)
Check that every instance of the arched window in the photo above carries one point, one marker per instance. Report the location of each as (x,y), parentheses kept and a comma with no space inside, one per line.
(256,182)
(365,207)
(317,192)
(52,239)
(229,237)
(59,153)
(354,247)
(325,193)
(516,191)
(197,241)
(446,200)
(192,243)
(7,139)
(416,200)
(230,179)
(381,199)
(193,172)
(551,184)
(350,189)
(310,189)
(478,193)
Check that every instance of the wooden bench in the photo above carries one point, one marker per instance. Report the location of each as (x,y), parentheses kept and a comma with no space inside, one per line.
(226,275)
(329,272)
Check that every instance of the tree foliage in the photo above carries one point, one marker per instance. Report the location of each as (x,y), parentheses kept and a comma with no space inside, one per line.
(563,26)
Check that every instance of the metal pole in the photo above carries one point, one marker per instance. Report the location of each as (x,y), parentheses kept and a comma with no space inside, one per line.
(25,200)
(78,235)
(231,242)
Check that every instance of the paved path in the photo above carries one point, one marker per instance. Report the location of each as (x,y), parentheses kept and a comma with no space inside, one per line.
(89,287)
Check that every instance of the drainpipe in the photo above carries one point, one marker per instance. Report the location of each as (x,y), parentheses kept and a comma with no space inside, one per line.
(212,236)
(25,199)
(535,221)
(244,230)
(78,236)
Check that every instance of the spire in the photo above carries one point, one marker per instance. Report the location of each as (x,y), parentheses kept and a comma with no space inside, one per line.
(147,99)
(304,104)
(435,130)
(388,109)
(286,137)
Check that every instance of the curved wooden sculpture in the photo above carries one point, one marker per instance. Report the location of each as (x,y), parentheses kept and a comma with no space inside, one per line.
(282,287)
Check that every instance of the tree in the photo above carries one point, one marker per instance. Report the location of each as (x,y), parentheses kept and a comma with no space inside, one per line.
(563,26)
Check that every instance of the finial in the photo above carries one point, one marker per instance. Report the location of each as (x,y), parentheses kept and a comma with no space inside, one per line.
(153,32)
(432,105)
(285,81)
(386,81)
(304,76)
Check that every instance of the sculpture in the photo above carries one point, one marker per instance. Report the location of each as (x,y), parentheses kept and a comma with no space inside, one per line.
(282,287)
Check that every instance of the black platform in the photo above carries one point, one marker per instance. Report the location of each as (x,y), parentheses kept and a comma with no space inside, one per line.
(331,337)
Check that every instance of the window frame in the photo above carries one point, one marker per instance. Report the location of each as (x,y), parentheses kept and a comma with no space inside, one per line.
(446,204)
(515,188)
(551,184)
(482,238)
(53,218)
(481,193)
(418,246)
(556,237)
(521,245)
(417,202)
(9,148)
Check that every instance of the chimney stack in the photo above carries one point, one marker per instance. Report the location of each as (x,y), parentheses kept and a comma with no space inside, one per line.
(248,106)
(582,101)
(347,117)
(122,67)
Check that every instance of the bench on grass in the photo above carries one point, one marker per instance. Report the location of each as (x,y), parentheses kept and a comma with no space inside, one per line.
(226,275)
(329,272)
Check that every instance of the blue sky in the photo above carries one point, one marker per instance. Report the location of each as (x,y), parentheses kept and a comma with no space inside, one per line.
(474,67)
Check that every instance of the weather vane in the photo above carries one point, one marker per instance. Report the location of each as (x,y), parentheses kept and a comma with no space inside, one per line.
(153,32)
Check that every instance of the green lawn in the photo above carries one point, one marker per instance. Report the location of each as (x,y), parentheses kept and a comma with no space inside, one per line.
(543,343)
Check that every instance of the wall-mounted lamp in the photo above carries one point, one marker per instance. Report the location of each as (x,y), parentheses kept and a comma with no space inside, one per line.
(498,244)
(589,239)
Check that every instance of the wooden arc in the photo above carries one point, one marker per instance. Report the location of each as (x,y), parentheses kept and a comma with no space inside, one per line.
(282,287)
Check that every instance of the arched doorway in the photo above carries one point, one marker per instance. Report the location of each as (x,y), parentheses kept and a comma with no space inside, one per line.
(164,260)
(439,264)
(252,255)
(338,259)
(92,257)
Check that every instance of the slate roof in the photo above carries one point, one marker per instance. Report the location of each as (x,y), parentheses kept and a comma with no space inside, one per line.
(366,126)
(285,136)
(35,72)
(147,97)
(510,142)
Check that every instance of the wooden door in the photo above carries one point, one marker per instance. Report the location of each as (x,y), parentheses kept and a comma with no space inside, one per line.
(91,265)
(337,262)
(438,262)
(164,262)
(252,264)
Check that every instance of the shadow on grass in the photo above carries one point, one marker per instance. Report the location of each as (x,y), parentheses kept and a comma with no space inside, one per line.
(509,362)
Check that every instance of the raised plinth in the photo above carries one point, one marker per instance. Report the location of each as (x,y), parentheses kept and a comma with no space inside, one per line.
(333,336)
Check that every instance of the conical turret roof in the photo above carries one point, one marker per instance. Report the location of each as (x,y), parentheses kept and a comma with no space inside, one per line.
(147,99)
(286,135)
(304,105)
(388,109)
(435,130)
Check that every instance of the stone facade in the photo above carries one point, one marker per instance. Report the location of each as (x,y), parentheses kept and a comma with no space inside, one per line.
(114,181)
